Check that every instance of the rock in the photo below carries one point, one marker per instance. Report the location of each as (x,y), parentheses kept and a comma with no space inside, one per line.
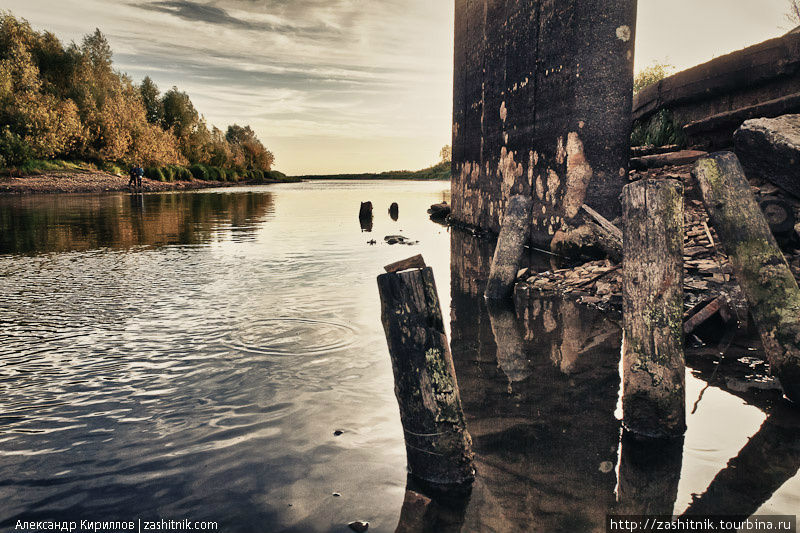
(394,211)
(336,495)
(439,211)
(337,432)
(399,239)
(358,526)
(769,148)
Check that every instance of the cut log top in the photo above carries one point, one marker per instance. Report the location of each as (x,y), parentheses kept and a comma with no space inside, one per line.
(412,262)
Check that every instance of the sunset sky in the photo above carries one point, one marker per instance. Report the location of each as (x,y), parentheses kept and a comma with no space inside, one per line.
(347,85)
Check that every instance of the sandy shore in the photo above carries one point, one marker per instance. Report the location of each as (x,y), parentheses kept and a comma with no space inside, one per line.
(87,182)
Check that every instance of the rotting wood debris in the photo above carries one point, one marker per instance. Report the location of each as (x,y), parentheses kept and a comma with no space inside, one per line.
(707,271)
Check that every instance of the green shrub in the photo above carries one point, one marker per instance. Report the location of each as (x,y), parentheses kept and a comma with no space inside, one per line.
(214,174)
(13,148)
(116,168)
(659,130)
(154,173)
(183,174)
(275,175)
(200,172)
(651,75)
(168,172)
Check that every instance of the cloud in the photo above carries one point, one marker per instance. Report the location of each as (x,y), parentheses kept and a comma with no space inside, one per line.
(348,71)
(251,20)
(195,12)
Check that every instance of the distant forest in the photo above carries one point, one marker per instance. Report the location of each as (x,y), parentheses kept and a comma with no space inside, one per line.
(69,103)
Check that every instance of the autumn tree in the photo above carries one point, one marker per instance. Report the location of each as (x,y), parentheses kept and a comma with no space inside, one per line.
(650,75)
(446,153)
(70,102)
(248,152)
(151,99)
(34,123)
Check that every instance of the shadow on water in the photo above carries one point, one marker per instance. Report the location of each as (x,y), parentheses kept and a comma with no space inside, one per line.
(539,381)
(64,223)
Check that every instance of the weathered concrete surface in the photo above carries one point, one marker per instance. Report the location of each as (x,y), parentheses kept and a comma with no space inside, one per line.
(770,149)
(763,73)
(541,106)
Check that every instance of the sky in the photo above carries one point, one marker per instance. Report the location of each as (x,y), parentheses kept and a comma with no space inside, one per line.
(336,86)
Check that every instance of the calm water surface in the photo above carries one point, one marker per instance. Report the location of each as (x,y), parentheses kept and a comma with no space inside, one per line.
(190,355)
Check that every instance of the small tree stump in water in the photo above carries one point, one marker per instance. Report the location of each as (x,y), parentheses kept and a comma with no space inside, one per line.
(510,247)
(758,264)
(653,397)
(394,211)
(438,446)
(365,212)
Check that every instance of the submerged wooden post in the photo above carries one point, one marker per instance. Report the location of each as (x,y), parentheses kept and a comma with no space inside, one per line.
(365,211)
(438,446)
(653,396)
(758,264)
(510,247)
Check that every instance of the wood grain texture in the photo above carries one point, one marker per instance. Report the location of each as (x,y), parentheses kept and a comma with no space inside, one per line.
(653,400)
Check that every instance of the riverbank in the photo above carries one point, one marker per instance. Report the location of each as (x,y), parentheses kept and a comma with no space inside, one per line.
(440,171)
(86,181)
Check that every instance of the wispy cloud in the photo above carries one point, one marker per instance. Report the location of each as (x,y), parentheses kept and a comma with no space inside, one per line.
(313,77)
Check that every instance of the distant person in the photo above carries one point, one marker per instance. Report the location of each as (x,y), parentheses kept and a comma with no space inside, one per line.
(133,174)
(139,175)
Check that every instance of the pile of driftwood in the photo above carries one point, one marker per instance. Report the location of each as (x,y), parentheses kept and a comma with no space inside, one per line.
(707,271)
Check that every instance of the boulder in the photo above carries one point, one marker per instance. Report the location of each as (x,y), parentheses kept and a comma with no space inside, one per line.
(439,211)
(769,148)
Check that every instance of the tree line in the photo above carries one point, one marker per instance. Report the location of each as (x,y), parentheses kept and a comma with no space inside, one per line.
(68,102)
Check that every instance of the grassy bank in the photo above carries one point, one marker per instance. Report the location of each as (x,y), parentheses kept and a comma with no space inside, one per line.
(40,177)
(164,174)
(439,171)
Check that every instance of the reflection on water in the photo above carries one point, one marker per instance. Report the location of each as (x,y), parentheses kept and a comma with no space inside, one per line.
(62,223)
(219,356)
(190,355)
(539,395)
(539,383)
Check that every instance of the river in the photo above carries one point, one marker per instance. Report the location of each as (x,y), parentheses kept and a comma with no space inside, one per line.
(218,356)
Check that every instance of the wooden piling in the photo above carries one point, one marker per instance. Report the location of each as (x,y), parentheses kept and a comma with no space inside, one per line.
(758,264)
(653,398)
(649,473)
(511,243)
(438,446)
(365,211)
